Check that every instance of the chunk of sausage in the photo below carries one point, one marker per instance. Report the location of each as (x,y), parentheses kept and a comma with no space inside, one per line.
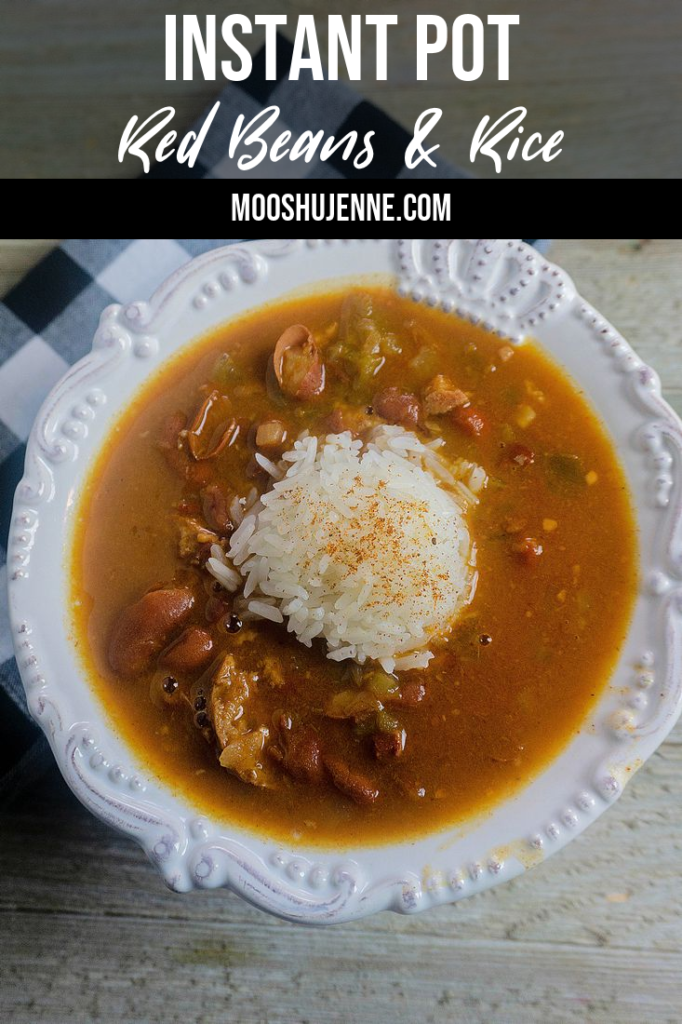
(192,650)
(243,755)
(230,692)
(441,395)
(353,783)
(389,745)
(213,428)
(396,406)
(242,748)
(297,363)
(301,755)
(468,420)
(410,694)
(146,627)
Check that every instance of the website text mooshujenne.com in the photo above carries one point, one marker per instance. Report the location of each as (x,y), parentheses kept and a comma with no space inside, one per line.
(341,206)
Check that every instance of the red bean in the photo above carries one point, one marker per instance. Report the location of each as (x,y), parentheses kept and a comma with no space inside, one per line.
(396,406)
(302,756)
(192,650)
(355,785)
(297,363)
(213,427)
(145,628)
(215,608)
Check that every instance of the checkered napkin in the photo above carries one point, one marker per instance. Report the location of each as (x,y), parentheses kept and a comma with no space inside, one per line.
(46,323)
(309,106)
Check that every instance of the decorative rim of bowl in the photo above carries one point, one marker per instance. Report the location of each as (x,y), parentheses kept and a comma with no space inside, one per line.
(513,291)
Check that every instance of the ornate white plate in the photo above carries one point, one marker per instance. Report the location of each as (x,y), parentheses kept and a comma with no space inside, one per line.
(513,291)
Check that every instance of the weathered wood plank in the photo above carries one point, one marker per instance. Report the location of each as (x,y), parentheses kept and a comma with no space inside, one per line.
(622,847)
(595,931)
(637,285)
(90,971)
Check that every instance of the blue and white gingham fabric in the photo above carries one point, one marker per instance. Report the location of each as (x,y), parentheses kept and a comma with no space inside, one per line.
(47,323)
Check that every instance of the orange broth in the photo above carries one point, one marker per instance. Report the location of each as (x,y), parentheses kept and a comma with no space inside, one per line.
(510,685)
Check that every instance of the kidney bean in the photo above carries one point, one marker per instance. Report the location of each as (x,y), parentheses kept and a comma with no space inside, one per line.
(297,363)
(302,756)
(396,406)
(192,650)
(353,783)
(143,629)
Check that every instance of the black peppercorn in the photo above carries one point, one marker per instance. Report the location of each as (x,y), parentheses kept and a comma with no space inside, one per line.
(485,639)
(233,624)
(170,684)
(202,720)
(200,702)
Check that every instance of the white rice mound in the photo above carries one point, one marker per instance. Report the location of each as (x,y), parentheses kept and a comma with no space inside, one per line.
(364,544)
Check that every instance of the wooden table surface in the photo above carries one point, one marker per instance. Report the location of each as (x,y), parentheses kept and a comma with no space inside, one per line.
(72,73)
(89,933)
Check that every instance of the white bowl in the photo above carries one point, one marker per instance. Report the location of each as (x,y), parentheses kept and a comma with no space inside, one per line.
(511,289)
